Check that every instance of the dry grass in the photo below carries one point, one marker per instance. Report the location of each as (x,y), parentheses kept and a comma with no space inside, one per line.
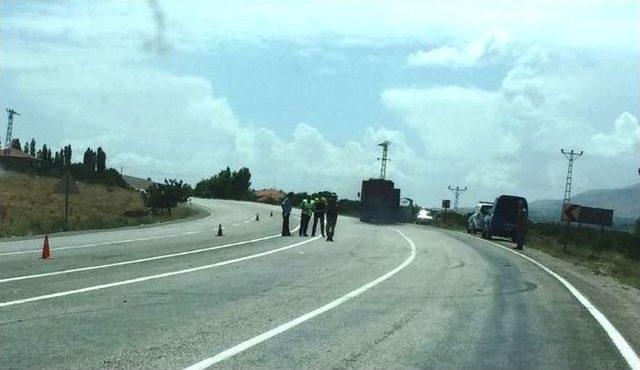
(29,205)
(603,253)
(600,261)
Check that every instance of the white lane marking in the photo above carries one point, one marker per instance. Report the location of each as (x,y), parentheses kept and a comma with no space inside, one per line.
(152,277)
(288,325)
(104,243)
(140,260)
(243,222)
(171,255)
(618,340)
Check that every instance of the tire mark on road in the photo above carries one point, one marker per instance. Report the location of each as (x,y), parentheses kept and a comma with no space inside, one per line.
(351,361)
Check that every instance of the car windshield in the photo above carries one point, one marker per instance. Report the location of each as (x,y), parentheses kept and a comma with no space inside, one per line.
(485,209)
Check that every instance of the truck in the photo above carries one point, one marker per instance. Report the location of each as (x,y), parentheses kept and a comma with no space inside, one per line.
(379,201)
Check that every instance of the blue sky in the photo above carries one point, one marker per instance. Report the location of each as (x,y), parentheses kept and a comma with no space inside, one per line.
(482,95)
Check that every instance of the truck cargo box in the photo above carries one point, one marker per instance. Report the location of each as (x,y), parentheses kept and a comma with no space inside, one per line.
(379,201)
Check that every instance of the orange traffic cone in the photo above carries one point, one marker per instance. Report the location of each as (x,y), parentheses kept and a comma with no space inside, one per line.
(219,230)
(46,253)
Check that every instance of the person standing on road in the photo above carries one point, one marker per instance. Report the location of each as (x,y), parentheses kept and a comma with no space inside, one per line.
(332,216)
(521,213)
(287,205)
(305,217)
(320,206)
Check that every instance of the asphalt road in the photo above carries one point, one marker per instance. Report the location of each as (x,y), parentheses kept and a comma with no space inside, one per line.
(174,295)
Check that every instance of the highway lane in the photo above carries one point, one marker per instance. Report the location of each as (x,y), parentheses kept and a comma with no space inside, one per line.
(458,303)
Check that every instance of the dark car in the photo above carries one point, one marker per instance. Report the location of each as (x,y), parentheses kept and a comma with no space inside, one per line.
(503,218)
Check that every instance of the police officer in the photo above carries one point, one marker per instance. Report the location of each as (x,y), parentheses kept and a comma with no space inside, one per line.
(287,205)
(320,206)
(521,213)
(332,216)
(305,217)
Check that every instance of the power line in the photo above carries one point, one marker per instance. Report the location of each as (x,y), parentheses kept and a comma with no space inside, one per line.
(457,190)
(383,168)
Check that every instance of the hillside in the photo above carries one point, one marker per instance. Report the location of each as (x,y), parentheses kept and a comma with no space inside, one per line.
(136,182)
(624,201)
(29,205)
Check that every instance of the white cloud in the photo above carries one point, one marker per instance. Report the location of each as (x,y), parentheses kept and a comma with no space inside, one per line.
(160,124)
(492,175)
(625,137)
(488,49)
(502,139)
(196,25)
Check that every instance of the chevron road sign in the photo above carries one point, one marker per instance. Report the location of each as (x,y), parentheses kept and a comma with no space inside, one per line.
(587,215)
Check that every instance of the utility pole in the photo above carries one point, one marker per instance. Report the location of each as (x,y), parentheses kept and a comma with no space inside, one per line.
(457,190)
(571,156)
(10,113)
(566,199)
(383,169)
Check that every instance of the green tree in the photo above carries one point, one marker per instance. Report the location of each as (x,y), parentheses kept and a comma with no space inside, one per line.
(32,147)
(166,196)
(15,144)
(90,159)
(66,156)
(226,185)
(60,162)
(240,183)
(101,160)
(26,148)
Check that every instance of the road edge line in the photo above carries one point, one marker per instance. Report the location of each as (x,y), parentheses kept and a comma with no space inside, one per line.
(625,349)
(241,347)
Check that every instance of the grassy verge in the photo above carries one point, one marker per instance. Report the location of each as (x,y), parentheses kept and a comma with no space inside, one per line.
(451,221)
(607,252)
(29,205)
(612,253)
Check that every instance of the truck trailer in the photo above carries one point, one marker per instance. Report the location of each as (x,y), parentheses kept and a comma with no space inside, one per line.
(379,201)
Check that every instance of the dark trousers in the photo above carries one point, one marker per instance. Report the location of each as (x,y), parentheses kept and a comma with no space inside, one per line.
(520,235)
(304,224)
(285,224)
(318,216)
(332,219)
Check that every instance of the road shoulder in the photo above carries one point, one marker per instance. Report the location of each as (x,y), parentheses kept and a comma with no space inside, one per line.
(618,301)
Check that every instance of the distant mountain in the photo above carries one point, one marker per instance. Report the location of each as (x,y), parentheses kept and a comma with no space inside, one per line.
(624,201)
